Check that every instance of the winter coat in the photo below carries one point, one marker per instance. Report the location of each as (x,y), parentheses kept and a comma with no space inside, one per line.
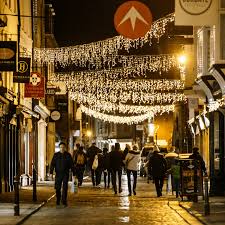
(106,161)
(78,152)
(116,159)
(62,163)
(157,165)
(197,156)
(91,152)
(133,158)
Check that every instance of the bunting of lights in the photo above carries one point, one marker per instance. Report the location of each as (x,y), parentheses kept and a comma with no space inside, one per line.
(116,119)
(98,84)
(132,66)
(129,96)
(99,53)
(109,107)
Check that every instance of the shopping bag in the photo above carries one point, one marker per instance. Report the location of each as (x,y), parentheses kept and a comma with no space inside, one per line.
(95,163)
(74,185)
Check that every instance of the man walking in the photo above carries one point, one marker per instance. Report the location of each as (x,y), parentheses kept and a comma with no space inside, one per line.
(116,165)
(62,162)
(91,153)
(158,167)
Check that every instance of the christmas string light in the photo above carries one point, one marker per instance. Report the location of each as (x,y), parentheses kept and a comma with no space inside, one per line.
(108,107)
(95,84)
(130,96)
(97,53)
(132,66)
(115,119)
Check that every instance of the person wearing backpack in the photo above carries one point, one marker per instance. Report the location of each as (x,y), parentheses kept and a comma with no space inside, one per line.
(80,160)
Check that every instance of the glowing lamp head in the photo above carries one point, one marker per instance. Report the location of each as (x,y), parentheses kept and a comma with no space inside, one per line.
(182,59)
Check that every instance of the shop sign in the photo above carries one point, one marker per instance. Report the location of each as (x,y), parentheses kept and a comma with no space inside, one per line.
(133,19)
(196,12)
(8,55)
(36,87)
(23,71)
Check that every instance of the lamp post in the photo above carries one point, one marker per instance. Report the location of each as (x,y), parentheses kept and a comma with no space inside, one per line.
(182,65)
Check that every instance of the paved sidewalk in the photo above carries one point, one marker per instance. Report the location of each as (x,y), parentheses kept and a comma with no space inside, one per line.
(217,210)
(45,191)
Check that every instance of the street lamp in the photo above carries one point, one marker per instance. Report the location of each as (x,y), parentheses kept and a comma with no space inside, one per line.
(182,59)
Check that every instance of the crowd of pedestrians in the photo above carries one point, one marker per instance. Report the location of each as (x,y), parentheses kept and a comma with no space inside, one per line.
(112,164)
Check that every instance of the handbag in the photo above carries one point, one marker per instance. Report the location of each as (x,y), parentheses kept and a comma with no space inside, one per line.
(95,163)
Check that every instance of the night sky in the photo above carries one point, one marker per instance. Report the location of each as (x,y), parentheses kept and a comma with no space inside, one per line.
(85,21)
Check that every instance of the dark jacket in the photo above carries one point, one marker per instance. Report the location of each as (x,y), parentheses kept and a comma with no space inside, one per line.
(157,165)
(62,163)
(116,159)
(75,157)
(106,161)
(197,156)
(100,161)
(91,152)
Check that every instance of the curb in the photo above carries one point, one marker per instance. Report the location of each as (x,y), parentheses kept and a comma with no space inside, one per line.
(192,214)
(35,210)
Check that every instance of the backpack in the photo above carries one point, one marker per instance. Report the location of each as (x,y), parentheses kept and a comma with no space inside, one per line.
(80,159)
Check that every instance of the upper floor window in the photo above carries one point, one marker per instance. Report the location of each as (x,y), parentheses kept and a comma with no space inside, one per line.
(222,3)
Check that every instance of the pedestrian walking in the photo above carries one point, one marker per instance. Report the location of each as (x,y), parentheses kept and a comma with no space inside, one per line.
(198,158)
(132,160)
(116,165)
(170,157)
(106,166)
(80,160)
(157,166)
(91,153)
(62,163)
(99,169)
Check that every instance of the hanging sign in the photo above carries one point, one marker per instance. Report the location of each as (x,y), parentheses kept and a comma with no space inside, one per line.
(196,12)
(23,71)
(36,87)
(133,19)
(7,55)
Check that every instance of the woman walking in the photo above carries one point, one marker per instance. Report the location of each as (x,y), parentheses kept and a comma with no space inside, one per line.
(131,161)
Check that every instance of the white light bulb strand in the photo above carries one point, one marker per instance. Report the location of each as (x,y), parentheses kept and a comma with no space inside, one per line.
(130,96)
(94,84)
(132,66)
(115,119)
(102,52)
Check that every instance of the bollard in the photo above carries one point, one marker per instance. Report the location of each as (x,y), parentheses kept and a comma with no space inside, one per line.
(34,185)
(206,204)
(16,197)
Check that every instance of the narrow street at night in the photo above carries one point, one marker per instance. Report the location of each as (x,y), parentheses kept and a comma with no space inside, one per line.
(101,206)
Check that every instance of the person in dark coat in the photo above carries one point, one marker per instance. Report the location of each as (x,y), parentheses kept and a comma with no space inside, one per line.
(80,160)
(116,165)
(91,152)
(106,166)
(196,156)
(158,167)
(99,169)
(62,163)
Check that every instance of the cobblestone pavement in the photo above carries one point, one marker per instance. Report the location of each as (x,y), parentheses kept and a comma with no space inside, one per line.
(100,206)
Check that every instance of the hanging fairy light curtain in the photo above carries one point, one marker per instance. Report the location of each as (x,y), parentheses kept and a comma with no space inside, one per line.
(132,66)
(116,119)
(127,97)
(99,53)
(109,107)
